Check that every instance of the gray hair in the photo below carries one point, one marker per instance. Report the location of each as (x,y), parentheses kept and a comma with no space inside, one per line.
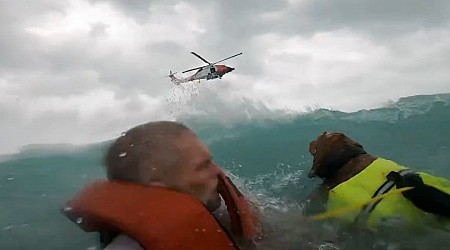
(145,153)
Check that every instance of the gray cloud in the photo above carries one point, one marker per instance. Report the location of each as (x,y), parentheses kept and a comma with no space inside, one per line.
(19,49)
(96,75)
(308,17)
(365,14)
(373,18)
(138,9)
(98,30)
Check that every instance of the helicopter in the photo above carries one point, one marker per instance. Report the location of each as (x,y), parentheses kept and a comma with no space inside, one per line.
(208,72)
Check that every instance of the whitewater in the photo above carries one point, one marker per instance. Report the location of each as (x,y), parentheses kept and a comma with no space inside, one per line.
(266,153)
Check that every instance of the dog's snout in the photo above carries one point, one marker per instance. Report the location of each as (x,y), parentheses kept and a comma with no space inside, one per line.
(312,148)
(312,173)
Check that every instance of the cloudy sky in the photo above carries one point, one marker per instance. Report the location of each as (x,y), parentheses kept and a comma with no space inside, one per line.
(80,71)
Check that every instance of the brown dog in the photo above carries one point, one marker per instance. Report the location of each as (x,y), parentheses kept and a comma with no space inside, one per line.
(337,159)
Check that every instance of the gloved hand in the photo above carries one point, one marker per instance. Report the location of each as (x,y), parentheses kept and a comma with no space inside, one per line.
(408,180)
(425,197)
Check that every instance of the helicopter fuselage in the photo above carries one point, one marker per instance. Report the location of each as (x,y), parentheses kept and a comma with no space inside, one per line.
(208,72)
(211,72)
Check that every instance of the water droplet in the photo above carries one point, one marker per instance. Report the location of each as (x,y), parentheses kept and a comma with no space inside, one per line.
(327,246)
(68,209)
(154,169)
(218,230)
(79,220)
(203,230)
(196,230)
(131,145)
(123,154)
(123,134)
(9,178)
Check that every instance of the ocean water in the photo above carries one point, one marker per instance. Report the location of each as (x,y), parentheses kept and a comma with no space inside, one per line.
(266,155)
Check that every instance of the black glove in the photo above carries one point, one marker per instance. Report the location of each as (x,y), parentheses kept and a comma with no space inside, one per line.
(408,180)
(425,197)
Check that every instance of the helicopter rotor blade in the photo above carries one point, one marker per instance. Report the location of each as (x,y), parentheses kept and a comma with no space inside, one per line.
(201,58)
(193,69)
(228,58)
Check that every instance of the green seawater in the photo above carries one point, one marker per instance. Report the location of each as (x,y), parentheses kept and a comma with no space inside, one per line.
(268,158)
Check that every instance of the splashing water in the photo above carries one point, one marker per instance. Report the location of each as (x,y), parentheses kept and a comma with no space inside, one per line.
(181,95)
(269,160)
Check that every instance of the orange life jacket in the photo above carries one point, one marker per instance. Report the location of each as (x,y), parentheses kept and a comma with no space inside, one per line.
(244,218)
(160,218)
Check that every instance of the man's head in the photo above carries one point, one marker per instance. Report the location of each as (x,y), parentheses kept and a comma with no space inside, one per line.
(166,154)
(331,151)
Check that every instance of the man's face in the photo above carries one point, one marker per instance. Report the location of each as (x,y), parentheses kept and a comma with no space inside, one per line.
(197,172)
